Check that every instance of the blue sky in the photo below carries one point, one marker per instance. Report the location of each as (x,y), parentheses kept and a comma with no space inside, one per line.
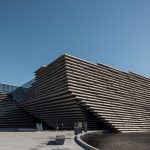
(35,32)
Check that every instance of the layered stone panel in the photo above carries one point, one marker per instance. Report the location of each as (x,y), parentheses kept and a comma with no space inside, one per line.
(53,103)
(121,98)
(11,116)
(71,90)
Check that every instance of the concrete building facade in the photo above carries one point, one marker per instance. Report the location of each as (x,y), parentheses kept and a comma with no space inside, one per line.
(70,90)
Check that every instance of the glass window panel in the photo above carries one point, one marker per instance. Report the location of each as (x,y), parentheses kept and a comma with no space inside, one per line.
(14,88)
(10,89)
(5,88)
(1,87)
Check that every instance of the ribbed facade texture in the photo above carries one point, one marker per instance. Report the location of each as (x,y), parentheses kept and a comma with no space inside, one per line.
(12,116)
(71,90)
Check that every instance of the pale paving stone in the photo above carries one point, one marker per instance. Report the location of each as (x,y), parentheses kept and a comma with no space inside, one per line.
(35,140)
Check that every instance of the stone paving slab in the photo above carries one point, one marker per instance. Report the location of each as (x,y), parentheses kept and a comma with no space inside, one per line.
(36,140)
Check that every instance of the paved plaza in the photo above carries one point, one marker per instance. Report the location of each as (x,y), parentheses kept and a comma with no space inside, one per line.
(35,140)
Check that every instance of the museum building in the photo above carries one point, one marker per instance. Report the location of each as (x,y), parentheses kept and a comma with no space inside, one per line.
(70,90)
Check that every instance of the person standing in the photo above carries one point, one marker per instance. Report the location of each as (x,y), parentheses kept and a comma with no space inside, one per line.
(62,126)
(57,128)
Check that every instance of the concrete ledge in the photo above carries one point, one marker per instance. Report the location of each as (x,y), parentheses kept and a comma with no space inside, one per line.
(82,143)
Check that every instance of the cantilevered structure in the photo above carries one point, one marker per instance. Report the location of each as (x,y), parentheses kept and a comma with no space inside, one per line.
(71,90)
